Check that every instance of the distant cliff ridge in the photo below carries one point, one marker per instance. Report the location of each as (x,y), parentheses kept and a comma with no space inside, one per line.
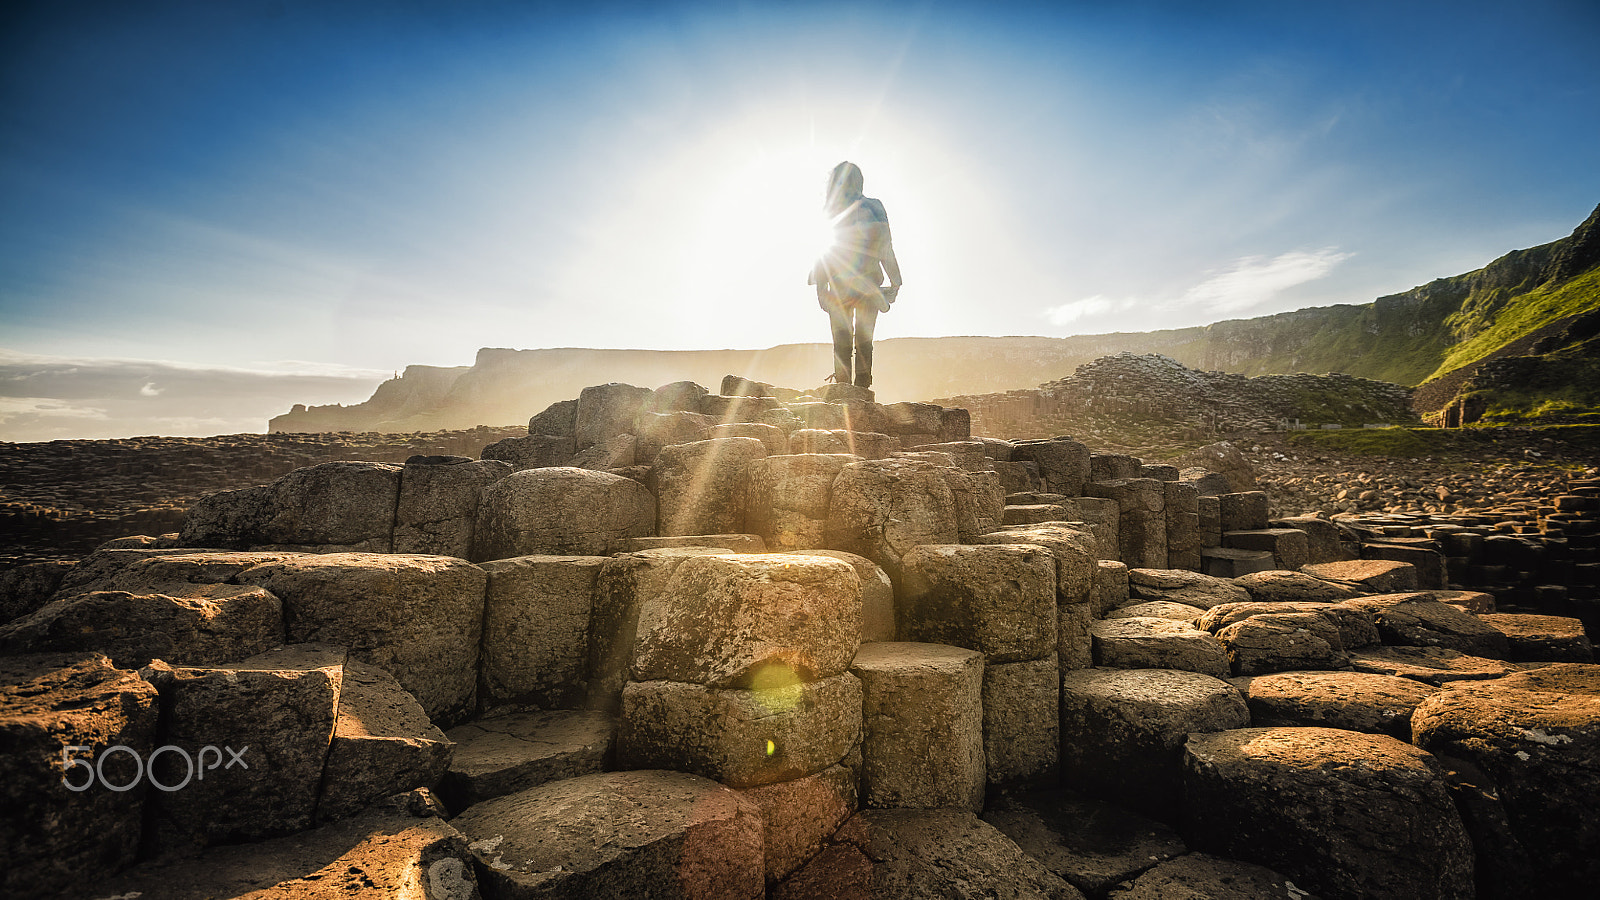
(1434,335)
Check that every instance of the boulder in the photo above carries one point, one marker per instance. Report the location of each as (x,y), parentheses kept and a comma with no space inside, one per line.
(1122,731)
(343,505)
(561,511)
(741,737)
(438,506)
(617,836)
(536,630)
(1244,511)
(616,452)
(1279,642)
(997,598)
(419,618)
(536,451)
(656,430)
(922,715)
(1355,625)
(73,804)
(1531,638)
(882,509)
(686,396)
(1063,463)
(607,410)
(1374,576)
(1280,586)
(510,753)
(559,419)
(789,498)
(877,594)
(1179,586)
(1418,621)
(1224,459)
(1200,875)
(798,816)
(1021,720)
(913,418)
(1346,814)
(1150,643)
(1354,701)
(1432,665)
(625,584)
(1074,550)
(701,487)
(1092,844)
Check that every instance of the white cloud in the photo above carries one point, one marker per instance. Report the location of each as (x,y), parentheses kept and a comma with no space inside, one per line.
(45,407)
(1098,305)
(150,390)
(1253,280)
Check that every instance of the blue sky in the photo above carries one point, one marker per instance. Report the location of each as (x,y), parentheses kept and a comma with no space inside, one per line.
(334,191)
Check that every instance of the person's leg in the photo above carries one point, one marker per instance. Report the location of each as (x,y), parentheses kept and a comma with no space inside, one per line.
(839,321)
(866,324)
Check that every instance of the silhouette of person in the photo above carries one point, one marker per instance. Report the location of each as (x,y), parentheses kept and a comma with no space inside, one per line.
(850,275)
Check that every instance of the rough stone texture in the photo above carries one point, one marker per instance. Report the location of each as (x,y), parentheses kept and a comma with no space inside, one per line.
(56,837)
(1141,519)
(882,509)
(1021,720)
(379,853)
(1418,621)
(913,854)
(772,437)
(438,506)
(740,737)
(1122,731)
(1355,625)
(619,835)
(687,396)
(1074,642)
(536,451)
(1432,665)
(505,754)
(1325,541)
(1279,586)
(1290,798)
(997,598)
(1478,602)
(1030,513)
(173,571)
(280,723)
(625,584)
(1227,562)
(970,456)
(536,630)
(1112,587)
(744,621)
(798,816)
(922,716)
(1151,643)
(27,587)
(1179,586)
(1243,511)
(560,511)
(980,501)
(1063,463)
(877,594)
(1377,576)
(1158,609)
(607,410)
(730,543)
(615,452)
(1532,638)
(210,624)
(1288,546)
(1104,519)
(1205,877)
(1182,508)
(349,505)
(1073,549)
(701,487)
(1280,642)
(1354,701)
(866,445)
(1427,561)
(1093,845)
(789,498)
(559,419)
(653,431)
(955,424)
(1535,737)
(1018,476)
(419,618)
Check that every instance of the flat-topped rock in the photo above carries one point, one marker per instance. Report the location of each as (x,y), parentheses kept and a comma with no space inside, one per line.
(1158,609)
(1433,665)
(1143,642)
(1416,620)
(1533,638)
(1354,701)
(1180,586)
(505,754)
(1378,576)
(1205,877)
(922,716)
(1092,844)
(1280,586)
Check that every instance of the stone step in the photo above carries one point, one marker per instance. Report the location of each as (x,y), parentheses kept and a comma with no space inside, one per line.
(503,755)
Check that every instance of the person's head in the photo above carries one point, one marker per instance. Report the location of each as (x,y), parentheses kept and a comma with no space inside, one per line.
(844,186)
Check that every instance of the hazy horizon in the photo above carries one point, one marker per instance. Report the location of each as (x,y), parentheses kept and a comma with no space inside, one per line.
(210,212)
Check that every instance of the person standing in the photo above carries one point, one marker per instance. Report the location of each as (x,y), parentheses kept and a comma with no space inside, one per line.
(850,275)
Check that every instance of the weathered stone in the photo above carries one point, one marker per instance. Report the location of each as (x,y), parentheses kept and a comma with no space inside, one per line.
(1477,602)
(506,754)
(1325,541)
(653,431)
(1417,621)
(1182,509)
(1075,642)
(996,598)
(419,618)
(616,452)
(1532,638)
(27,587)
(1122,731)
(1073,549)
(882,509)
(877,594)
(1141,519)
(211,624)
(742,409)
(625,584)
(1354,624)
(536,451)
(438,505)
(980,502)
(1227,562)
(955,424)
(867,445)
(922,713)
(728,543)
(701,487)
(775,439)
(559,419)
(1149,643)
(1021,720)
(1426,560)
(740,737)
(1113,467)
(1209,484)
(1030,513)
(1093,845)
(914,418)
(1158,609)
(1375,575)
(1288,546)
(798,816)
(1279,586)
(73,806)
(1104,519)
(1244,511)
(741,621)
(1111,586)
(536,630)
(1354,701)
(789,498)
(1224,459)
(684,396)
(607,410)
(269,731)
(348,505)
(1018,476)
(1063,463)
(619,835)
(1346,814)
(969,456)
(1535,737)
(175,572)
(560,511)
(1179,586)
(1279,642)
(1432,665)
(1201,875)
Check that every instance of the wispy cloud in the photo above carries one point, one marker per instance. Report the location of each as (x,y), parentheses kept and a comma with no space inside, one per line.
(1087,308)
(1253,280)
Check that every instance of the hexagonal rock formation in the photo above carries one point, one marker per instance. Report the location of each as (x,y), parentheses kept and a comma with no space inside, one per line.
(619,835)
(1535,736)
(1417,620)
(1073,548)
(1354,701)
(922,711)
(438,506)
(1180,586)
(1348,815)
(536,630)
(789,497)
(1122,730)
(701,487)
(1278,642)
(798,816)
(337,505)
(1355,625)
(998,598)
(1542,638)
(883,508)
(561,510)
(505,754)
(1151,643)
(1279,586)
